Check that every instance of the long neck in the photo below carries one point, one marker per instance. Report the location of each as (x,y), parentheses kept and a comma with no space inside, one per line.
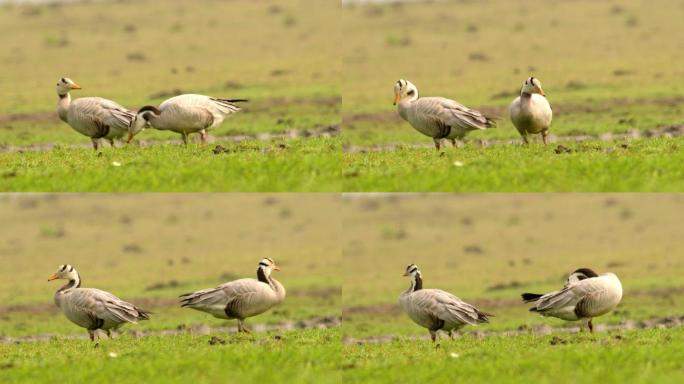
(73,283)
(265,277)
(416,284)
(63,106)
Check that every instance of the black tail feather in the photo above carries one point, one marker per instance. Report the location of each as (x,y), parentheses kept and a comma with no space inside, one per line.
(530,297)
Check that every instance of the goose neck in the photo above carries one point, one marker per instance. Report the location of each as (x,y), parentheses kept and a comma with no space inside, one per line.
(63,106)
(75,282)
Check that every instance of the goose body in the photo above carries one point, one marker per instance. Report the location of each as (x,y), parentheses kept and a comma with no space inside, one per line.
(437,117)
(585,295)
(436,309)
(530,112)
(185,114)
(92,308)
(94,117)
(239,299)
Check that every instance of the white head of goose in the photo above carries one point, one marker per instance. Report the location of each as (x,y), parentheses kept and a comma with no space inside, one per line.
(92,308)
(185,114)
(531,112)
(240,299)
(435,309)
(585,295)
(94,117)
(437,117)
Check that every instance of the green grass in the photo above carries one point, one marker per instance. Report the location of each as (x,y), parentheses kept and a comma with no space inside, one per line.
(596,81)
(648,356)
(593,166)
(266,52)
(310,356)
(292,165)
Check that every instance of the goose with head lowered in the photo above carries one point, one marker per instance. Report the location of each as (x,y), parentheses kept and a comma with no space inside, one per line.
(584,296)
(435,309)
(184,114)
(437,117)
(94,117)
(240,299)
(531,112)
(92,308)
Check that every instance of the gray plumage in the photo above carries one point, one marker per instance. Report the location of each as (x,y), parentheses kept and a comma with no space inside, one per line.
(530,112)
(435,309)
(185,114)
(241,298)
(94,117)
(437,117)
(585,295)
(92,308)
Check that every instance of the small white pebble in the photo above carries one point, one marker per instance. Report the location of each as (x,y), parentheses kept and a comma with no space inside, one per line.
(113,354)
(458,164)
(116,163)
(454,355)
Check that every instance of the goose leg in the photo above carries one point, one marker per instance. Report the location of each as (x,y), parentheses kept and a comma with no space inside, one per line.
(95,144)
(524,137)
(185,137)
(591,326)
(453,142)
(433,335)
(91,333)
(544,136)
(203,136)
(111,142)
(241,327)
(109,333)
(437,144)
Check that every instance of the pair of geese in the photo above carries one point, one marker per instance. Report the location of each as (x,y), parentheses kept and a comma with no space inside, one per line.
(100,118)
(442,118)
(584,296)
(95,309)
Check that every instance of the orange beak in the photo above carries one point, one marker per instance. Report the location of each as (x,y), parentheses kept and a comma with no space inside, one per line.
(275,268)
(75,86)
(405,274)
(53,277)
(396,99)
(541,91)
(130,138)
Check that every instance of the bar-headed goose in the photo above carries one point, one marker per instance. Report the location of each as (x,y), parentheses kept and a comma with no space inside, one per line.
(531,112)
(435,309)
(241,298)
(94,117)
(184,114)
(585,295)
(92,308)
(437,117)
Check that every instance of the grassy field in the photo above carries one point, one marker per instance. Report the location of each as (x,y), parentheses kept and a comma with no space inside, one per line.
(268,52)
(150,248)
(589,56)
(488,249)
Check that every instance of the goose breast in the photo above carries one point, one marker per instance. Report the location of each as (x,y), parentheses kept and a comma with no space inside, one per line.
(531,114)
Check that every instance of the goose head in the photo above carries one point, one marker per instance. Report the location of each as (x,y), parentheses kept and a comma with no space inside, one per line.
(141,120)
(412,270)
(267,266)
(66,272)
(64,85)
(404,90)
(579,275)
(532,85)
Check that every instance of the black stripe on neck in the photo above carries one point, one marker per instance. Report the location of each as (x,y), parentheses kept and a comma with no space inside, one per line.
(261,275)
(63,96)
(418,283)
(73,283)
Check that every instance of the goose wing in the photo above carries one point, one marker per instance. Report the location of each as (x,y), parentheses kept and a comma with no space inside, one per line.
(234,298)
(90,307)
(445,306)
(443,111)
(583,291)
(99,116)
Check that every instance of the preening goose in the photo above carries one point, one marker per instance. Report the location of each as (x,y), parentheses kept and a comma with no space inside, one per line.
(92,308)
(185,114)
(94,117)
(531,112)
(585,295)
(435,309)
(437,117)
(241,298)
